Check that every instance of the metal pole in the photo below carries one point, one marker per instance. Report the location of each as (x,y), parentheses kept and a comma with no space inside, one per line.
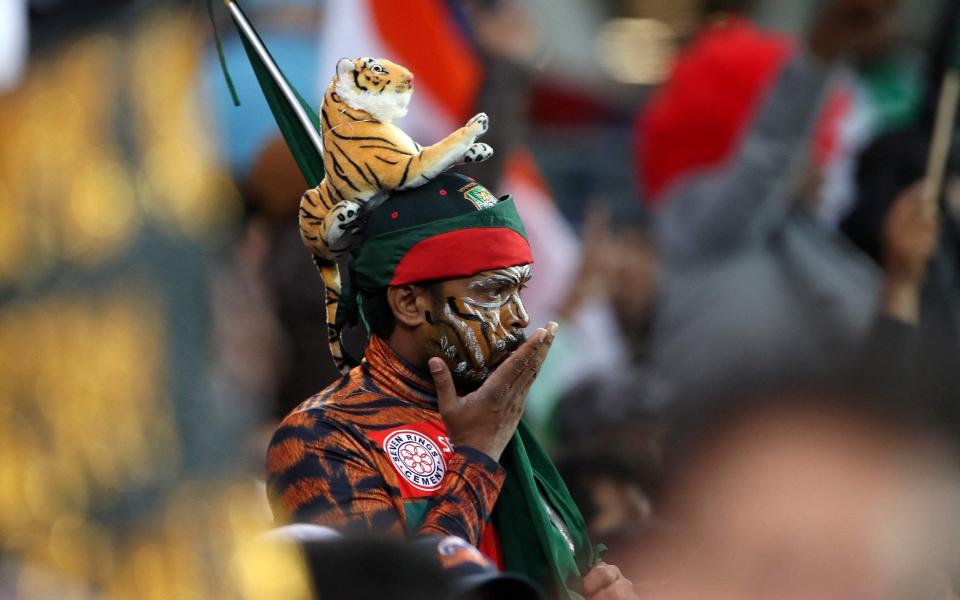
(246,29)
(942,131)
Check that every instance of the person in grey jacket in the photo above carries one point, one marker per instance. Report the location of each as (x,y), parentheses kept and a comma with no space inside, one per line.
(754,288)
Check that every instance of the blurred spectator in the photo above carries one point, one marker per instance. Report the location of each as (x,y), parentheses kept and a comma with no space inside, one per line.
(634,262)
(466,572)
(434,568)
(608,434)
(375,569)
(473,575)
(609,491)
(613,254)
(754,286)
(618,410)
(928,354)
(807,494)
(892,162)
(598,310)
(697,118)
(293,283)
(700,113)
(600,410)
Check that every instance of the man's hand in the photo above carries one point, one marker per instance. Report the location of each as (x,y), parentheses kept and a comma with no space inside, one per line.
(606,582)
(864,27)
(910,235)
(486,418)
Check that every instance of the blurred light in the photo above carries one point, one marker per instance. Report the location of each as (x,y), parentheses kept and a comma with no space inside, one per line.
(103,135)
(186,188)
(13,41)
(83,413)
(635,51)
(100,214)
(12,234)
(75,190)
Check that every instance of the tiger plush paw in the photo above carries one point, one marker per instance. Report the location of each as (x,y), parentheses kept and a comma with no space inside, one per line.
(477,153)
(478,124)
(339,222)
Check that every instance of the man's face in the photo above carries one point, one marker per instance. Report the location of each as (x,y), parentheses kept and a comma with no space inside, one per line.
(477,322)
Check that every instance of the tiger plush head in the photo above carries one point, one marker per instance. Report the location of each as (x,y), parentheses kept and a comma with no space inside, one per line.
(376,86)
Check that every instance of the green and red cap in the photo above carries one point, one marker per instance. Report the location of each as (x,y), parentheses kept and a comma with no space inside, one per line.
(448,228)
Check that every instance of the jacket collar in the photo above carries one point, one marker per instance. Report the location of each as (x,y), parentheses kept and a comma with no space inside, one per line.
(396,377)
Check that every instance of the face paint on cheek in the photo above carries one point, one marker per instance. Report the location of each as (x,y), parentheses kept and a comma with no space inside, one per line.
(485,336)
(442,343)
(452,340)
(509,309)
(462,337)
(469,329)
(488,316)
(470,334)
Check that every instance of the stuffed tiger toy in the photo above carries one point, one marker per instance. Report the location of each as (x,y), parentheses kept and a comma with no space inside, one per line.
(364,154)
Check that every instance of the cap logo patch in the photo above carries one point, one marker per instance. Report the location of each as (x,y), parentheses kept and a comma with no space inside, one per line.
(478,195)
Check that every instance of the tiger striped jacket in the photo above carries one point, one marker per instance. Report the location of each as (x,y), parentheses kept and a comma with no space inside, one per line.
(370,454)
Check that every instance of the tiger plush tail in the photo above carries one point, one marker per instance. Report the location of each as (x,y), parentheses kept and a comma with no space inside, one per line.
(330,273)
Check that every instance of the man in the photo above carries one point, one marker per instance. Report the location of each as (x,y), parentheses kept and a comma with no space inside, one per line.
(755,286)
(409,441)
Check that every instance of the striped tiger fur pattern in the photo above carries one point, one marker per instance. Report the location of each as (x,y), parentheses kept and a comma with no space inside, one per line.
(365,154)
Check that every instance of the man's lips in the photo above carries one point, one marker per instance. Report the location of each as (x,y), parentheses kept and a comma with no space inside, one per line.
(497,358)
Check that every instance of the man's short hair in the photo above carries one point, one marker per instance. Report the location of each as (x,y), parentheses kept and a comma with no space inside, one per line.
(377,311)
(378,314)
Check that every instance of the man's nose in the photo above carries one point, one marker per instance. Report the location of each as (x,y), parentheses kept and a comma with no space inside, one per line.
(516,317)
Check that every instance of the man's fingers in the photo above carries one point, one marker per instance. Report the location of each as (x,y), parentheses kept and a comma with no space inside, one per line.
(511,380)
(447,398)
(605,582)
(621,589)
(600,577)
(515,365)
(532,367)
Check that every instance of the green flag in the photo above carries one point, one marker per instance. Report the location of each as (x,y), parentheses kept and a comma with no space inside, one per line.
(530,540)
(297,121)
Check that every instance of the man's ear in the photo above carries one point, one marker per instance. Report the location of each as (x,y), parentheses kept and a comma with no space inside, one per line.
(344,65)
(409,304)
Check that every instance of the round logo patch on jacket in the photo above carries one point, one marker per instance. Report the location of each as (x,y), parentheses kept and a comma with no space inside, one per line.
(417,458)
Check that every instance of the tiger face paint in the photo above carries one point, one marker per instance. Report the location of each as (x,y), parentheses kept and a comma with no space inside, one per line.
(477,322)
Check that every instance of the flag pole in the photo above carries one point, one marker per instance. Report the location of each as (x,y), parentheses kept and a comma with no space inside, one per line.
(247,31)
(940,144)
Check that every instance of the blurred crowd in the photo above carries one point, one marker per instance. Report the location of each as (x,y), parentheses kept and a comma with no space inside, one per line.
(755,387)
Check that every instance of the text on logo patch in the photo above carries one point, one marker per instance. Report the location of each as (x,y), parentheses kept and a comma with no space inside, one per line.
(417,458)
